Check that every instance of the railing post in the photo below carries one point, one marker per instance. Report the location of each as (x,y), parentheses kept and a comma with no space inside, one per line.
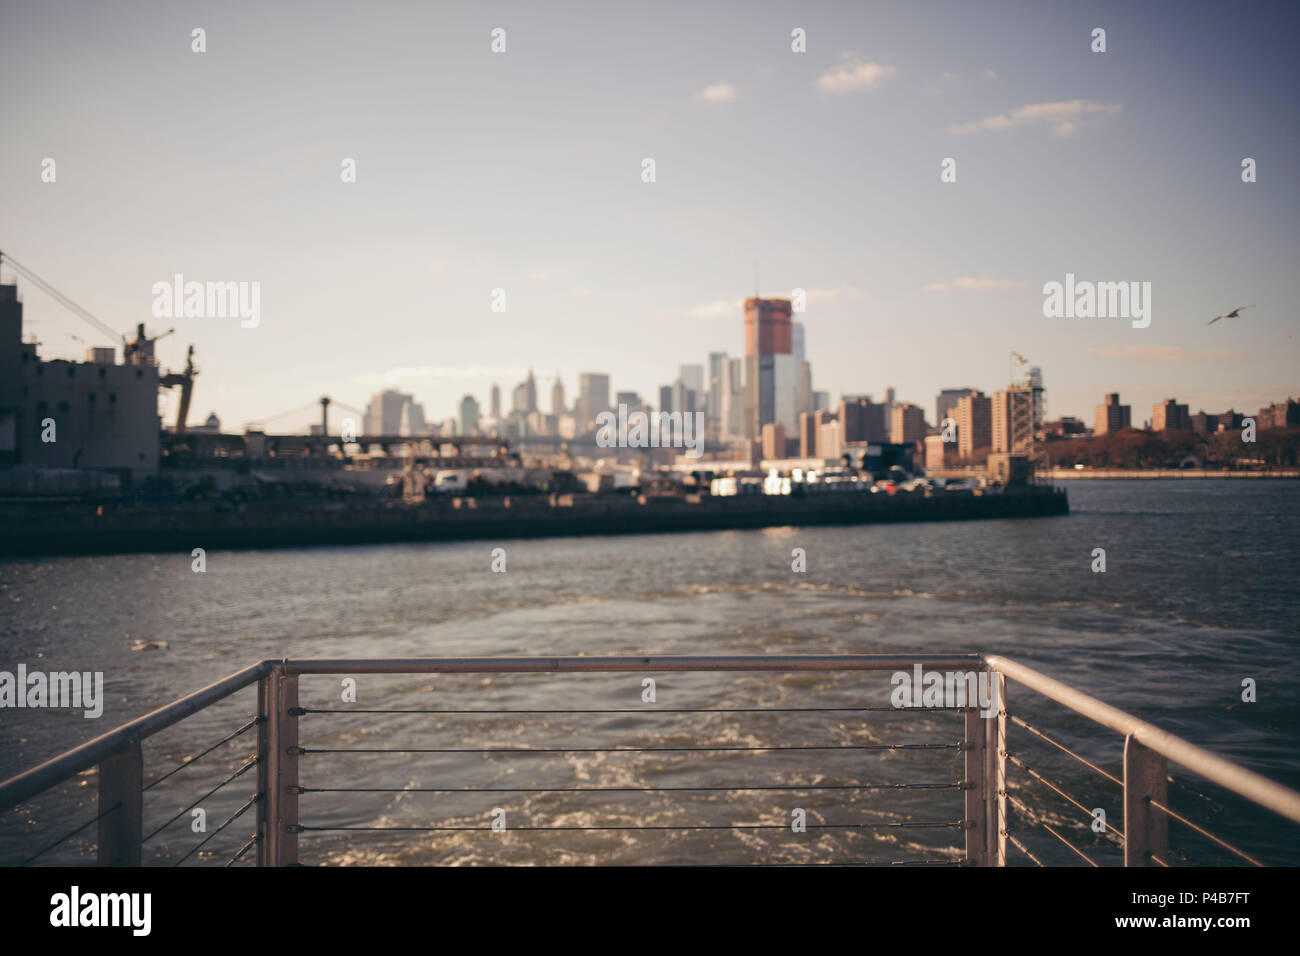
(121,801)
(996,770)
(1146,829)
(976,788)
(277,770)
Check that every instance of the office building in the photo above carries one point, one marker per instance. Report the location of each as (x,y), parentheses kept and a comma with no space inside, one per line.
(907,424)
(974,424)
(469,415)
(523,400)
(939,454)
(1279,415)
(557,396)
(1112,416)
(1170,416)
(593,398)
(1222,422)
(731,412)
(862,420)
(769,337)
(391,412)
(947,401)
(717,375)
(774,440)
(811,426)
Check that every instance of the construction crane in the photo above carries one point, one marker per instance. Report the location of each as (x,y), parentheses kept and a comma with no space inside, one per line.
(185,380)
(139,351)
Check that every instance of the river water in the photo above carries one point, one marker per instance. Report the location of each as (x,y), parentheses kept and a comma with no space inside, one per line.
(1199,594)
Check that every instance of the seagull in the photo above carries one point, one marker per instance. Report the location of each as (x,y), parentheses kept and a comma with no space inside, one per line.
(1229,315)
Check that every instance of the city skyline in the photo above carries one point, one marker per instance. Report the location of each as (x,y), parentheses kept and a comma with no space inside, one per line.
(1069,162)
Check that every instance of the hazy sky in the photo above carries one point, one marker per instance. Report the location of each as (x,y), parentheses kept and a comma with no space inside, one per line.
(522,171)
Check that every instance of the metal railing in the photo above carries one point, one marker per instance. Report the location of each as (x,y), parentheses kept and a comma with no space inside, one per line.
(983,785)
(1148,751)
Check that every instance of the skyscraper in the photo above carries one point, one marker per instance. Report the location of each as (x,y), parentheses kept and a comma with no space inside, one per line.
(557,396)
(496,401)
(1170,416)
(717,363)
(769,364)
(731,412)
(974,423)
(948,399)
(689,394)
(861,420)
(524,398)
(803,390)
(391,412)
(907,424)
(469,415)
(593,398)
(1112,416)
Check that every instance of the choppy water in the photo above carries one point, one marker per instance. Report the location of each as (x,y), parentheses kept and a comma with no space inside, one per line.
(1199,593)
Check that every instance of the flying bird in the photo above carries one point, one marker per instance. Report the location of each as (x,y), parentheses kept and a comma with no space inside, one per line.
(1229,315)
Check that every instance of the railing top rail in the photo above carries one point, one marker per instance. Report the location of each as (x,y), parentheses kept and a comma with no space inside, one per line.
(1246,783)
(552,665)
(54,771)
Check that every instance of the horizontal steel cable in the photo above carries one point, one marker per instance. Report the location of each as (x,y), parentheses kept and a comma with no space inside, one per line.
(606,750)
(800,789)
(956,825)
(302,711)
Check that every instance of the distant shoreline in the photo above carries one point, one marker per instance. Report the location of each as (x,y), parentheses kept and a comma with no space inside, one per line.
(1148,474)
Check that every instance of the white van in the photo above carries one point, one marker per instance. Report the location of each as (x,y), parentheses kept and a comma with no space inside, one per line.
(450,482)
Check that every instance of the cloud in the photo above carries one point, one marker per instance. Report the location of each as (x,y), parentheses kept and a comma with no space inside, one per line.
(1063,118)
(717,310)
(1163,354)
(975,284)
(854,75)
(542,275)
(718,93)
(839,294)
(990,74)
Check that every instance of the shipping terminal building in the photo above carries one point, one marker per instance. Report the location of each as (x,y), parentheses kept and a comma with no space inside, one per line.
(93,414)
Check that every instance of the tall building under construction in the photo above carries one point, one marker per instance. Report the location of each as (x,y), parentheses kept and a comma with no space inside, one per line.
(771,367)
